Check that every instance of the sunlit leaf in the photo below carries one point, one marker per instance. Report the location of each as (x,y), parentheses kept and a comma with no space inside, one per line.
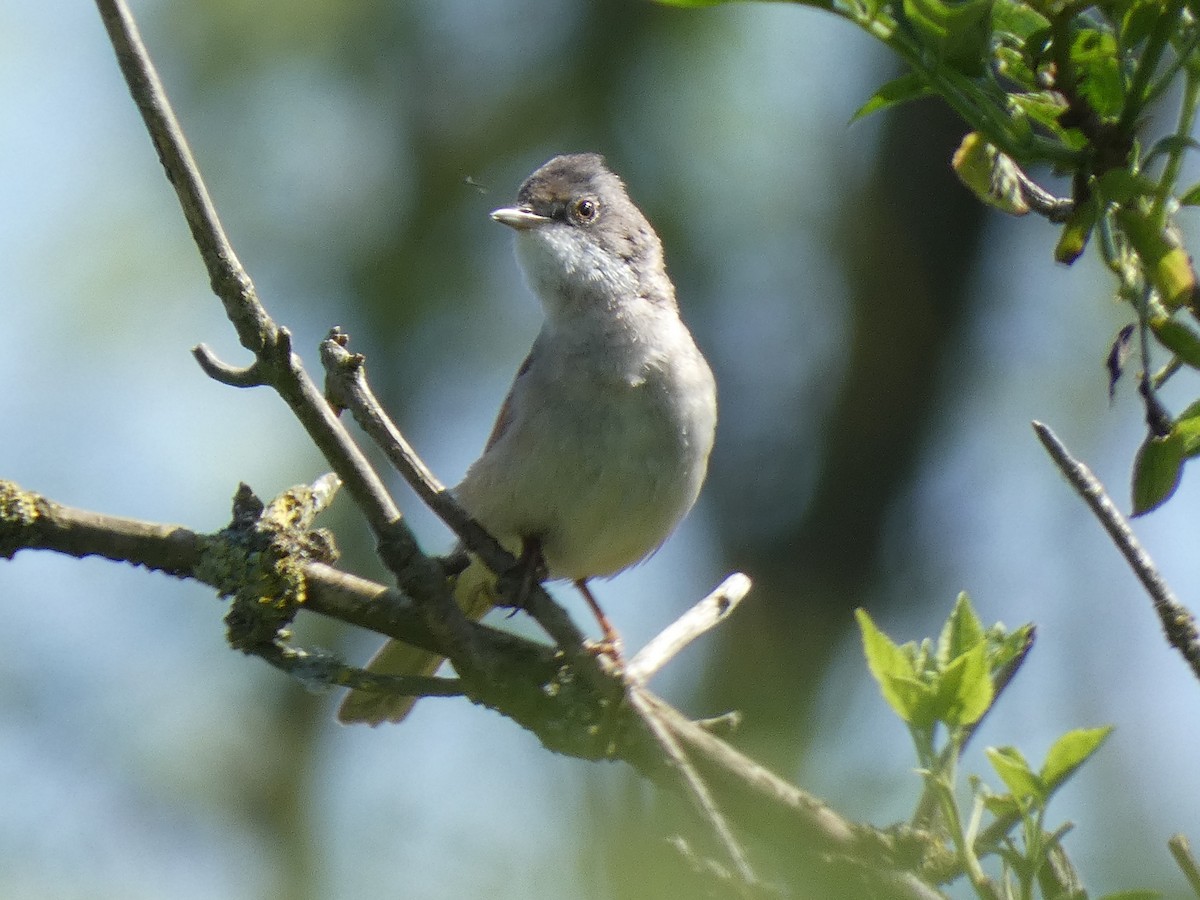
(964,688)
(892,666)
(1012,768)
(1020,20)
(991,175)
(962,631)
(1070,752)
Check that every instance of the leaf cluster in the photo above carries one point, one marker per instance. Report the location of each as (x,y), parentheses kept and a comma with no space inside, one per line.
(942,690)
(1071,85)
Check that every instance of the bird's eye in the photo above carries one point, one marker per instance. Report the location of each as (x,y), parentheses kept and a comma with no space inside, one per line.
(586,209)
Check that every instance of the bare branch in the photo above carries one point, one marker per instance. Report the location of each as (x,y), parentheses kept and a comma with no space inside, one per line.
(693,784)
(701,618)
(275,364)
(1178,623)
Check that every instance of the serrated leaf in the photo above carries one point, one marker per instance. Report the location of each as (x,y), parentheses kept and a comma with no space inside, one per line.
(1157,469)
(1070,752)
(962,631)
(898,90)
(1012,768)
(964,688)
(1095,56)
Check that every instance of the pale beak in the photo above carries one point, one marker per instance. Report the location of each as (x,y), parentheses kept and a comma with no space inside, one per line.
(518,218)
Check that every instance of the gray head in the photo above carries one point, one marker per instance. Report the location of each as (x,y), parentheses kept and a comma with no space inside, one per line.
(580,238)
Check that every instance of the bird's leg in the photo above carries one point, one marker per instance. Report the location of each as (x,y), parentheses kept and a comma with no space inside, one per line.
(612,640)
(532,569)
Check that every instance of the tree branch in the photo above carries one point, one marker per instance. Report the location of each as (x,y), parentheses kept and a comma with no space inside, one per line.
(532,685)
(1178,623)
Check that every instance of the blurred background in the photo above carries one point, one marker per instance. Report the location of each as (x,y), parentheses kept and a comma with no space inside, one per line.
(880,341)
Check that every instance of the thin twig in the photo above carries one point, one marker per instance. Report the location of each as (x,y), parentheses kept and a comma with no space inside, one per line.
(1181,849)
(701,618)
(1178,623)
(275,364)
(320,671)
(693,784)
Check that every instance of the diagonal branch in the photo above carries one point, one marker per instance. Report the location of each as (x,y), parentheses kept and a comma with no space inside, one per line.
(275,363)
(1178,623)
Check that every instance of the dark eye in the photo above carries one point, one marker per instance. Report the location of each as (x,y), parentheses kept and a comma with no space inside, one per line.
(586,209)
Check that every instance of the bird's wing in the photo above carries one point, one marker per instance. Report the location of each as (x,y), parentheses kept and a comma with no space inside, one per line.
(504,418)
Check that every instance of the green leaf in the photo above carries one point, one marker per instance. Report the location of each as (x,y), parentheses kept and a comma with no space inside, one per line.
(1167,264)
(1187,426)
(1095,56)
(1019,20)
(1133,895)
(991,175)
(962,631)
(1124,186)
(1076,231)
(1157,469)
(1191,197)
(1138,21)
(1002,805)
(892,666)
(957,32)
(1043,107)
(964,688)
(1005,647)
(1011,766)
(899,90)
(1178,338)
(1070,752)
(1171,144)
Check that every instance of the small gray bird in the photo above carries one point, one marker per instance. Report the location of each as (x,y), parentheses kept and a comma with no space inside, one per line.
(603,441)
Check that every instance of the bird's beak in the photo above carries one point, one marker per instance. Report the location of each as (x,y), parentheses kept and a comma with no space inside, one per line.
(518,218)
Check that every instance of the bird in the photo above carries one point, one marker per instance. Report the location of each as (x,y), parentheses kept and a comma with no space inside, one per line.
(602,444)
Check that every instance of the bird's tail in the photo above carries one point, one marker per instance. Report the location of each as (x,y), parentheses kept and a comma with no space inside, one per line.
(475,592)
